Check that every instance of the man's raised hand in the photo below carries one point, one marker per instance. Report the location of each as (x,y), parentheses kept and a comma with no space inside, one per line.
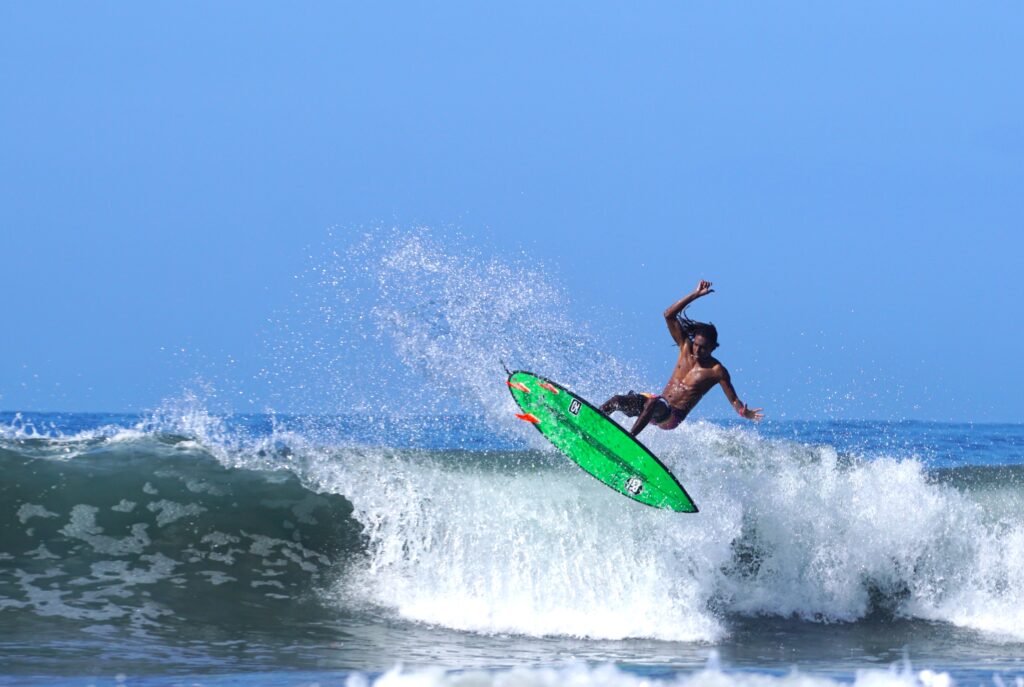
(703,289)
(754,414)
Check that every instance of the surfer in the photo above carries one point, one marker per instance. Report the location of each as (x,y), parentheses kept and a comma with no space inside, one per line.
(695,373)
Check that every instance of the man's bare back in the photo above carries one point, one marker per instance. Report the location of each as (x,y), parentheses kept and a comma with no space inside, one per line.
(695,373)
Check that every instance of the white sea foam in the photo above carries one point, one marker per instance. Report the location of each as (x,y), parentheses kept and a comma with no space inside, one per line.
(534,553)
(610,676)
(56,444)
(82,525)
(28,511)
(785,529)
(170,511)
(823,537)
(989,594)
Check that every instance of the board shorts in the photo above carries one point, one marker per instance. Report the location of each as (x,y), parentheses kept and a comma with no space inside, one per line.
(665,416)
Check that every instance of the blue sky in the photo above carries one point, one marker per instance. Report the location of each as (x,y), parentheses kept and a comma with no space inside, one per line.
(849,176)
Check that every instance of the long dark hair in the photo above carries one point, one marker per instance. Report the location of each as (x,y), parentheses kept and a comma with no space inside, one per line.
(692,328)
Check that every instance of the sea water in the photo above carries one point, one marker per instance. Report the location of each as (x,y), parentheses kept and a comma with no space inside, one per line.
(243,551)
(361,543)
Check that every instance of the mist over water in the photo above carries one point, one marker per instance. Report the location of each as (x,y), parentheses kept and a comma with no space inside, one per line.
(424,502)
(401,323)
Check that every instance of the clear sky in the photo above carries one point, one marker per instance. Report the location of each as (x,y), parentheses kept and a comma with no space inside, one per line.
(850,175)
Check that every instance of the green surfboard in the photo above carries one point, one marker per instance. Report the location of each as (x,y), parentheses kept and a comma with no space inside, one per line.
(597,443)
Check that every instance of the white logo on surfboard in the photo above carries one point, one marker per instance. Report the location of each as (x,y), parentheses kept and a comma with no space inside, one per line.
(634,485)
(574,407)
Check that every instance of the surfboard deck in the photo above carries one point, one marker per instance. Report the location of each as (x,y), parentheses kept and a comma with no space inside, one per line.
(597,443)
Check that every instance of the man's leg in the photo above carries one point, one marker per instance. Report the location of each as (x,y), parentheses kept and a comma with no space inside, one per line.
(632,404)
(612,404)
(653,405)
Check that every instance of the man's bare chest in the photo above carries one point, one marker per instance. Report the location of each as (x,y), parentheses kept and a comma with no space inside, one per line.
(693,375)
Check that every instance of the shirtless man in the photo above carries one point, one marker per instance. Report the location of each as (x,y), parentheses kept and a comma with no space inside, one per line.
(696,372)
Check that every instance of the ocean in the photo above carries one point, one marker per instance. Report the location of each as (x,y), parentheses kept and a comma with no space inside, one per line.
(188,547)
(421,535)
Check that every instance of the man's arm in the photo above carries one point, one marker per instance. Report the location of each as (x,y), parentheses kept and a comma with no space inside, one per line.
(703,289)
(739,406)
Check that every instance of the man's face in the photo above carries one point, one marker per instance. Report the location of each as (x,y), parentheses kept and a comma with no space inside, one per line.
(702,347)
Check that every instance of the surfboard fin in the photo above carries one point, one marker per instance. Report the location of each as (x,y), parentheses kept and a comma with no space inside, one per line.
(520,386)
(528,417)
(545,385)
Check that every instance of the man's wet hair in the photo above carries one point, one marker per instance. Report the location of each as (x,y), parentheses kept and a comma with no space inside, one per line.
(692,328)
